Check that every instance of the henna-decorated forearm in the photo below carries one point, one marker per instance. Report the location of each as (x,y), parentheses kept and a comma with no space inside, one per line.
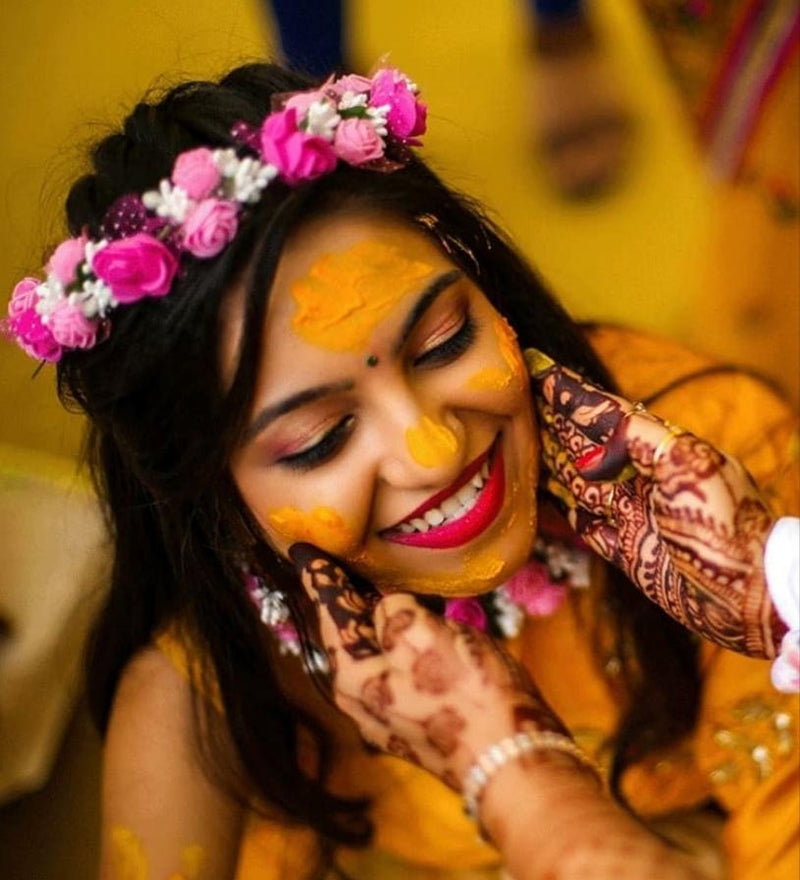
(562,828)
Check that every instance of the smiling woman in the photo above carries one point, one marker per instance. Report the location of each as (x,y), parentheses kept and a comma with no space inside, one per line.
(369,457)
(340,428)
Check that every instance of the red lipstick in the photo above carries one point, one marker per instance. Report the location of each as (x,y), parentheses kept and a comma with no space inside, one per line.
(471,524)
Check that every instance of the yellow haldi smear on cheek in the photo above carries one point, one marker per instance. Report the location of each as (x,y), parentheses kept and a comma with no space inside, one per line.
(499,378)
(430,443)
(489,379)
(130,861)
(323,527)
(346,295)
(507,342)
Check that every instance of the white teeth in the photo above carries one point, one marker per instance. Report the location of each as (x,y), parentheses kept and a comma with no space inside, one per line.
(434,516)
(450,506)
(465,494)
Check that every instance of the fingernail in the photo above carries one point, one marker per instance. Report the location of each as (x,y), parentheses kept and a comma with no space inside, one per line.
(590,458)
(538,362)
(303,553)
(609,461)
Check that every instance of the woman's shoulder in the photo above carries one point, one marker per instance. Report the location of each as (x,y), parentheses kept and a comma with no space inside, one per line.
(178,650)
(150,757)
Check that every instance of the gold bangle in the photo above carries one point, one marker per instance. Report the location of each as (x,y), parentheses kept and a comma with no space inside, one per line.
(638,409)
(673,431)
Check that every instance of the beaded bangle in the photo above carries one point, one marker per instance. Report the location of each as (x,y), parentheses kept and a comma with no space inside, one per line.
(509,749)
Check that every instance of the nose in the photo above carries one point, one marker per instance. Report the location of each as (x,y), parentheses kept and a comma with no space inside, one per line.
(421,444)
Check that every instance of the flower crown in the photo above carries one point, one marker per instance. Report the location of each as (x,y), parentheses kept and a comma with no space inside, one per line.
(364,122)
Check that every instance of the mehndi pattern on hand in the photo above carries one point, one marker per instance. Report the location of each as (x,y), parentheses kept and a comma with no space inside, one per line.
(685,522)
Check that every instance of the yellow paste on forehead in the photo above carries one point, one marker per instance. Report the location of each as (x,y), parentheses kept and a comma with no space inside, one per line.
(346,295)
(323,527)
(430,443)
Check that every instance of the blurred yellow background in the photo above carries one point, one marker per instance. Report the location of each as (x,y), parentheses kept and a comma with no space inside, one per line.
(73,70)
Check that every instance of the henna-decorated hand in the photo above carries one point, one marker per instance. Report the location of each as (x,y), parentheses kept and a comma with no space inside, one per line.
(685,522)
(429,690)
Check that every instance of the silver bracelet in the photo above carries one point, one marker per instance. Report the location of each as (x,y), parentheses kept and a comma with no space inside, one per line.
(509,749)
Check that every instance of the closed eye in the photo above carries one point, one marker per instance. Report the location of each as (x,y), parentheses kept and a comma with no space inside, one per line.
(451,348)
(323,450)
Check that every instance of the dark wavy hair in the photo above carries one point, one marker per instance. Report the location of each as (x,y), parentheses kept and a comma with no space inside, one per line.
(163,426)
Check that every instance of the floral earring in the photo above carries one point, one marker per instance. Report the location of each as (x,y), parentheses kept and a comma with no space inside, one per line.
(275,614)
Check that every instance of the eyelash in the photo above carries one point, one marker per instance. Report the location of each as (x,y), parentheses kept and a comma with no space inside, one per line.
(321,451)
(452,348)
(445,353)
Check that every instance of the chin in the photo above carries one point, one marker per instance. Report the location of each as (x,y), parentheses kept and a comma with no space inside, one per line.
(475,571)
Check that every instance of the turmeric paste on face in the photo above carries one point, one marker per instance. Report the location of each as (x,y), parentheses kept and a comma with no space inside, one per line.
(345,295)
(430,443)
(323,527)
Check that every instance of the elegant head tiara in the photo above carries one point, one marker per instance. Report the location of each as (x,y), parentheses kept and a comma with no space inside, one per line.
(365,122)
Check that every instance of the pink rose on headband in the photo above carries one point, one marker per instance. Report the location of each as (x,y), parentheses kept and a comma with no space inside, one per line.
(407,116)
(351,83)
(136,267)
(297,155)
(196,173)
(25,324)
(23,297)
(469,611)
(357,142)
(301,101)
(66,259)
(209,227)
(70,327)
(532,589)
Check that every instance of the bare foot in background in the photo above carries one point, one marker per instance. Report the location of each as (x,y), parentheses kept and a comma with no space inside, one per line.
(583,127)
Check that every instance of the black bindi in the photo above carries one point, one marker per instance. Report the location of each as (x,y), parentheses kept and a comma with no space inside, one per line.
(372,360)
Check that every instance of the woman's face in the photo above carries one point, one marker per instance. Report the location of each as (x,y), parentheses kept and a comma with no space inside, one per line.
(392,423)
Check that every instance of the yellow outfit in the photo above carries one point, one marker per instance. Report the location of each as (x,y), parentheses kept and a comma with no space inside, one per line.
(743,753)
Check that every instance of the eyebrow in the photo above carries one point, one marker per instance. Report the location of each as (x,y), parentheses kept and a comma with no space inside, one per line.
(423,303)
(269,413)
